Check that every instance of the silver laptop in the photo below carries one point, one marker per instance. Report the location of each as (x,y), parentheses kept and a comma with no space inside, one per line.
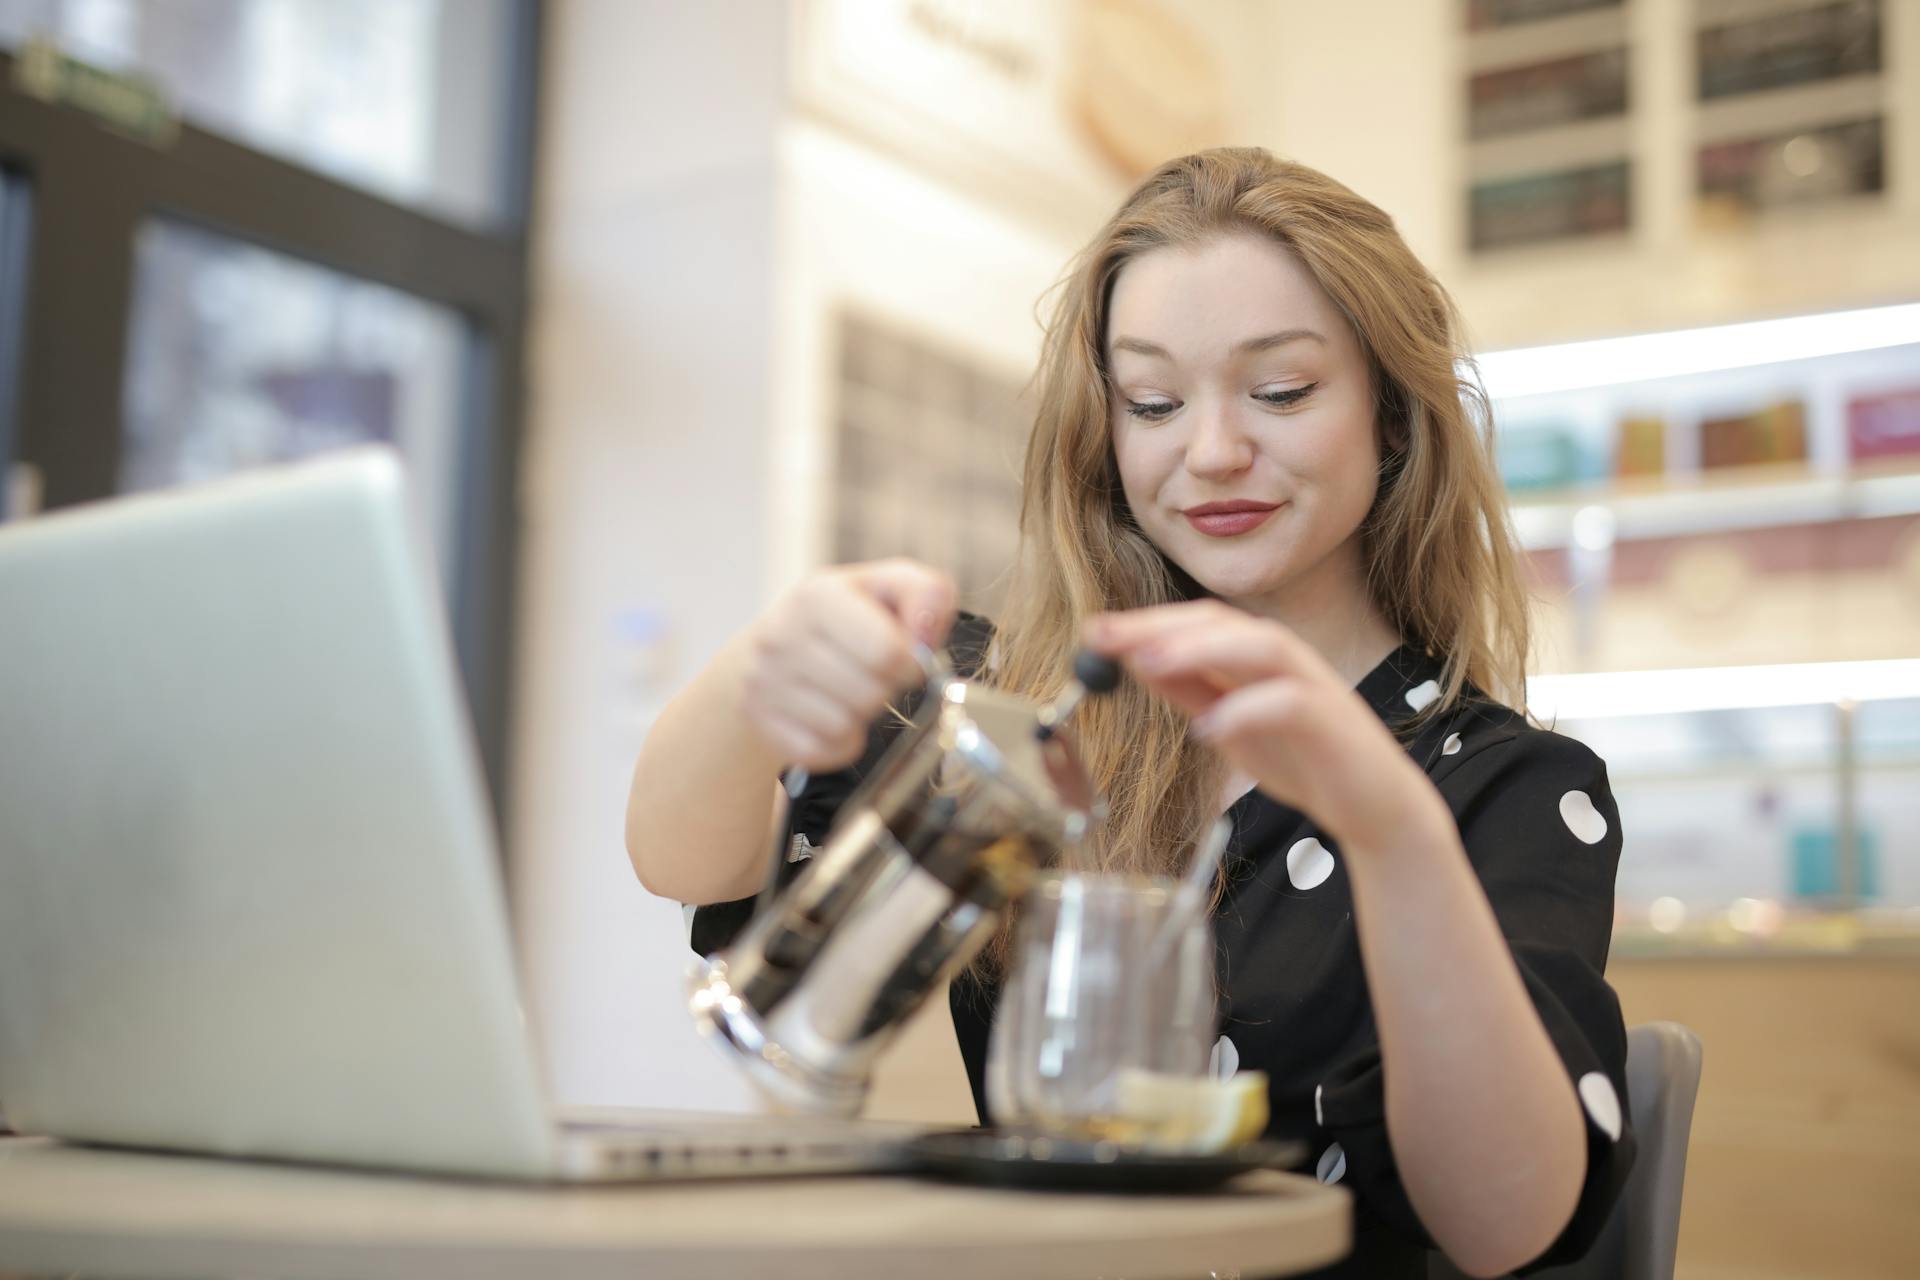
(250,898)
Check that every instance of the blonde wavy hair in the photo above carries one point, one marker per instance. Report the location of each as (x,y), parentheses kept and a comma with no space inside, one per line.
(1438,547)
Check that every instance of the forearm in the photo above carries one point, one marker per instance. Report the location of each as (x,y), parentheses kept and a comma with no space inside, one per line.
(700,810)
(1485,1126)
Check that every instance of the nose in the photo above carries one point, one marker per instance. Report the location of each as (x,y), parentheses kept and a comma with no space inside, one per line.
(1219,447)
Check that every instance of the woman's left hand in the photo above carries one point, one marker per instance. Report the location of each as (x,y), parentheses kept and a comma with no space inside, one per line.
(1269,703)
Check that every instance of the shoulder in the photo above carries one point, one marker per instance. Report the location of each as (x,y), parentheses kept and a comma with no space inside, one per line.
(1509,782)
(1482,744)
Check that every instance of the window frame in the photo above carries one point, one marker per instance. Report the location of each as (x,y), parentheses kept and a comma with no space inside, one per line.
(78,195)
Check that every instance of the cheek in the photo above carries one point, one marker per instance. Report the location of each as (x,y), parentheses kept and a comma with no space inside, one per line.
(1142,466)
(1343,457)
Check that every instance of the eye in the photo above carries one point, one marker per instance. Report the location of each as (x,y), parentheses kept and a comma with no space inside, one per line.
(1151,410)
(1281,399)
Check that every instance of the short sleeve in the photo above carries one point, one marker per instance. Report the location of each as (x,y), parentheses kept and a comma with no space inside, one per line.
(1539,824)
(812,814)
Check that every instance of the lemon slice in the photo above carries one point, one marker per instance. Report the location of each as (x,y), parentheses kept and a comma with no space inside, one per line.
(1194,1114)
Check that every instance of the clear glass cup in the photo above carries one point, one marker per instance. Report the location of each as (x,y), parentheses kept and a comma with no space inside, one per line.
(1098,987)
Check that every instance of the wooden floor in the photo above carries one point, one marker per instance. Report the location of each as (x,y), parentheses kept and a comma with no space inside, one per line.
(1805,1159)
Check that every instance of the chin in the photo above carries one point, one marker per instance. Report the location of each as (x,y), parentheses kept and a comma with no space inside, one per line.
(1233,582)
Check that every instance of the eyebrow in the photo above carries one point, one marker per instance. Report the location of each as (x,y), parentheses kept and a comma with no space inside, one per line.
(1266,342)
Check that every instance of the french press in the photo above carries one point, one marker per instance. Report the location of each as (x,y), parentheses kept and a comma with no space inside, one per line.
(980,789)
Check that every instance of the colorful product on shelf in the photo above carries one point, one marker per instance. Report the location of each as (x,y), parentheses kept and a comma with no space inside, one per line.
(1824,42)
(1777,433)
(1884,426)
(1641,449)
(1550,206)
(1536,456)
(1814,854)
(1802,166)
(1542,94)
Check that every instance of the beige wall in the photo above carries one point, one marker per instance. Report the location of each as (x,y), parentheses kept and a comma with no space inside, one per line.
(646,490)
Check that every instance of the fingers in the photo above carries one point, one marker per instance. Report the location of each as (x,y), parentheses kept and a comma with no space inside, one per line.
(1235,654)
(831,655)
(922,598)
(1190,693)
(1258,711)
(844,620)
(1122,632)
(811,729)
(1183,649)
(823,664)
(811,702)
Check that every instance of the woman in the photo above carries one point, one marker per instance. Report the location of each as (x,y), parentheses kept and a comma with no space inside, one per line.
(1257,478)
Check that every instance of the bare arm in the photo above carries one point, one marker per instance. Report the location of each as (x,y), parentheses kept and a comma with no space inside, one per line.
(706,797)
(797,687)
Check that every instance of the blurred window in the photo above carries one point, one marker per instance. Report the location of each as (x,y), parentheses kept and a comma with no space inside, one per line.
(267,228)
(406,98)
(239,356)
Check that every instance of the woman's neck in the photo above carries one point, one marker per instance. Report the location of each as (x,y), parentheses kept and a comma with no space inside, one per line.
(1331,609)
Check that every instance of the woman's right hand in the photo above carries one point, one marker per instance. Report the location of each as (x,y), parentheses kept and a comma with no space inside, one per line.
(834,650)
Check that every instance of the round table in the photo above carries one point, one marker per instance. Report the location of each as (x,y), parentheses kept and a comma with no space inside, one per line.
(98,1212)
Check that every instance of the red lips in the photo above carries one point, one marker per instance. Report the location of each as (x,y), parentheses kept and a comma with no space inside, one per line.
(1229,519)
(1228,508)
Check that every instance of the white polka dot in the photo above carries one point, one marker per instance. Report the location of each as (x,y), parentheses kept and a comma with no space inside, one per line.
(1309,864)
(1332,1166)
(1319,1116)
(1602,1103)
(1451,747)
(1423,693)
(1585,821)
(1225,1060)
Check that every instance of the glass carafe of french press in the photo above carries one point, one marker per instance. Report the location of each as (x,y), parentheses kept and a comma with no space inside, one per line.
(980,788)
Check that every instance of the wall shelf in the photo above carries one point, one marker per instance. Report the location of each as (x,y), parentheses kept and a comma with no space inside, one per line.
(1745,499)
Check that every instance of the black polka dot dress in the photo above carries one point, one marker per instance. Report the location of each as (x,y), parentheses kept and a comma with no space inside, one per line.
(1538,823)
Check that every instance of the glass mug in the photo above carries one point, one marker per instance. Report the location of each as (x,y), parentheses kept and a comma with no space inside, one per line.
(1099,988)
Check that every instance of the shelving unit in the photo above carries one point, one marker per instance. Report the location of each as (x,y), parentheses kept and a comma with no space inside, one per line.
(1717,504)
(1791,105)
(1549,150)
(1785,104)
(1574,424)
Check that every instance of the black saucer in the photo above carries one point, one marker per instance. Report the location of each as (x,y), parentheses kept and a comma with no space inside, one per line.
(1010,1158)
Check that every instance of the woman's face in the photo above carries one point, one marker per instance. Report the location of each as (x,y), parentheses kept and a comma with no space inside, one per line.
(1242,415)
